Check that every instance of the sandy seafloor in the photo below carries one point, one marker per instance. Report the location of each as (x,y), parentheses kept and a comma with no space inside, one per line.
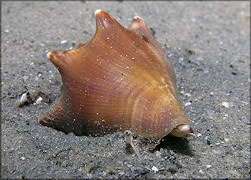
(209,46)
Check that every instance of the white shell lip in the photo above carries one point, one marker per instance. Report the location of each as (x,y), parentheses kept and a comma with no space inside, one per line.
(185,128)
(97,11)
(48,55)
(137,17)
(192,134)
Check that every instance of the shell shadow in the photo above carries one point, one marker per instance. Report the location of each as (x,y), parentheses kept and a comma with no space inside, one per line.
(178,145)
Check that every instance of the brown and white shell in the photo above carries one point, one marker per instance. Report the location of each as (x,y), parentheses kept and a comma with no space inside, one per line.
(120,80)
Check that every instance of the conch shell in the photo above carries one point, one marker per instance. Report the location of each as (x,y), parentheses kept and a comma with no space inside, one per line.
(119,80)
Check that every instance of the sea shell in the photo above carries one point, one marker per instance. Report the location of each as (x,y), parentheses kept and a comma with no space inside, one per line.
(119,80)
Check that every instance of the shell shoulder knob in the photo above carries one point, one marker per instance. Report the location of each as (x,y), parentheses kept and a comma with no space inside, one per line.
(120,80)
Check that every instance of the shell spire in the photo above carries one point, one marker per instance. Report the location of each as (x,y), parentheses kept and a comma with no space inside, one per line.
(106,22)
(120,80)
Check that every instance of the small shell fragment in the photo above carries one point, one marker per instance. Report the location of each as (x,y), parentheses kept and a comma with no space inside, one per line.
(225,104)
(155,169)
(23,99)
(38,101)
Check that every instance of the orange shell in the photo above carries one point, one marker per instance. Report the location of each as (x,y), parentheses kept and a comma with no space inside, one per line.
(119,80)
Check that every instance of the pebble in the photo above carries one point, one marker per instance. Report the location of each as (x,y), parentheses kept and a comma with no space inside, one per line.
(199,135)
(201,172)
(151,159)
(173,169)
(121,173)
(155,169)
(225,116)
(179,166)
(38,101)
(225,104)
(25,78)
(144,171)
(172,158)
(208,140)
(158,154)
(210,113)
(63,42)
(172,152)
(208,166)
(226,140)
(181,59)
(167,155)
(217,152)
(234,173)
(188,104)
(22,158)
(188,95)
(205,72)
(212,93)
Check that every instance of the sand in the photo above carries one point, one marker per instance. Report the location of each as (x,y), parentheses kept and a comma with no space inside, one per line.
(209,46)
